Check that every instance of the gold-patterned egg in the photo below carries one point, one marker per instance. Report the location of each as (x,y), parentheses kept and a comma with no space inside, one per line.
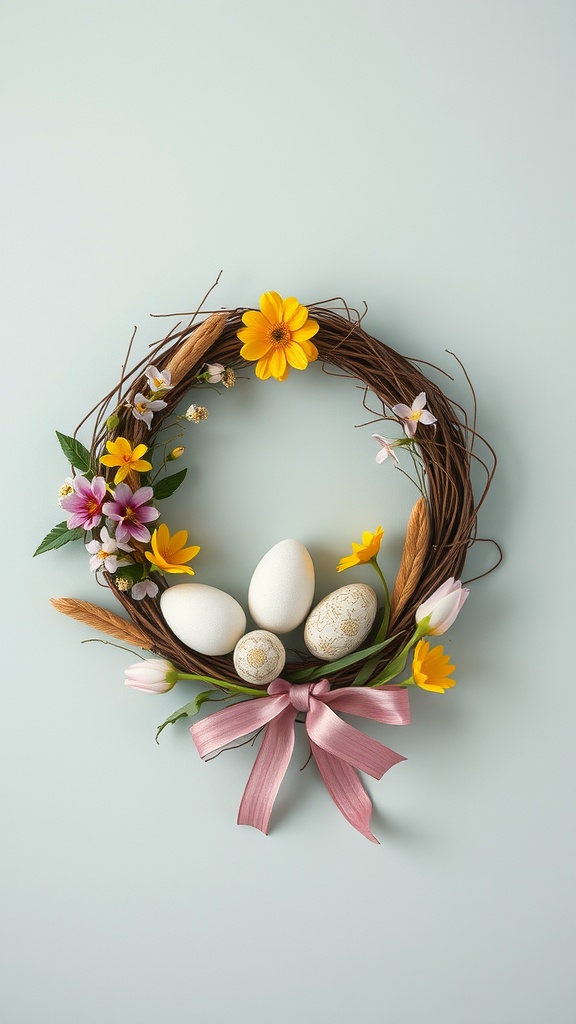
(259,657)
(341,622)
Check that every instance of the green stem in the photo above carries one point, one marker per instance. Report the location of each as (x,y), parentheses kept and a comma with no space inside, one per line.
(398,663)
(232,687)
(383,628)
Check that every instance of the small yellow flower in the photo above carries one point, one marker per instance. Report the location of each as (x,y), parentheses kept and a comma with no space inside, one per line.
(176,453)
(169,552)
(278,336)
(129,459)
(363,552)
(431,667)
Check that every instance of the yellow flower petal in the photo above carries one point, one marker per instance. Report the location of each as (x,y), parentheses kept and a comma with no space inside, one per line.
(298,318)
(306,332)
(271,306)
(255,320)
(262,370)
(254,348)
(277,362)
(289,310)
(296,356)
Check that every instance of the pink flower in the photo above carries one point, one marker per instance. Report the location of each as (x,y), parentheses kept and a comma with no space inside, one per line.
(159,380)
(386,448)
(85,503)
(144,588)
(144,409)
(130,511)
(414,414)
(105,552)
(154,675)
(437,613)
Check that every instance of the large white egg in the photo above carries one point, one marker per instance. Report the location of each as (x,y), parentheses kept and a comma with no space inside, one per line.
(341,622)
(282,587)
(259,657)
(203,618)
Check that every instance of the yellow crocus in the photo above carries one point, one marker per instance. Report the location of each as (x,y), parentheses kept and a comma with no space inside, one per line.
(169,552)
(127,458)
(363,552)
(431,668)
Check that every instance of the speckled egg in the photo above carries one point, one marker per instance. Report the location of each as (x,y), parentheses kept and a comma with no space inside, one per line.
(341,622)
(259,657)
(204,618)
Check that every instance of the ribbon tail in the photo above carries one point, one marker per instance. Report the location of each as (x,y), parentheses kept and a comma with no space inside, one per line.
(346,790)
(268,771)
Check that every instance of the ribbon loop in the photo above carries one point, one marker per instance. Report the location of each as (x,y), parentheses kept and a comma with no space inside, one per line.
(337,747)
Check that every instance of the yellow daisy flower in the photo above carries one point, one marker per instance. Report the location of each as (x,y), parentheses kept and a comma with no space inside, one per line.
(363,552)
(169,552)
(431,667)
(278,336)
(129,459)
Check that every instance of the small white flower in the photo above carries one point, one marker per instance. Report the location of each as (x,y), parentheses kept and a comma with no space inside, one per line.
(214,372)
(145,588)
(144,409)
(105,552)
(412,415)
(159,380)
(386,448)
(66,490)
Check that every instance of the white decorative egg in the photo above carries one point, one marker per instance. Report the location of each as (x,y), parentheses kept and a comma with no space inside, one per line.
(259,657)
(282,587)
(341,622)
(203,618)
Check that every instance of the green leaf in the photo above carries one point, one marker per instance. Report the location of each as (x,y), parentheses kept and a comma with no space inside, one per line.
(133,573)
(57,537)
(164,488)
(189,710)
(76,453)
(308,674)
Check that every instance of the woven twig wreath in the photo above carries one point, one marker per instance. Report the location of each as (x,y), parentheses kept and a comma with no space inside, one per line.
(446,527)
(440,531)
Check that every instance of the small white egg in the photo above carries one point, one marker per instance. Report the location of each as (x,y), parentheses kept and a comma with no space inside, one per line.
(259,657)
(341,622)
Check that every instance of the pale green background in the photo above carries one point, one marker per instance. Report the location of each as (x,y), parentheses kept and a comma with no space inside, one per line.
(419,156)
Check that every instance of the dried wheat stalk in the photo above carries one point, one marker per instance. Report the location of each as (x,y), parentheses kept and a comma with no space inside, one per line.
(102,620)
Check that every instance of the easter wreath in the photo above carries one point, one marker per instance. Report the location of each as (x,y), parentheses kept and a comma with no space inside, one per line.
(356,656)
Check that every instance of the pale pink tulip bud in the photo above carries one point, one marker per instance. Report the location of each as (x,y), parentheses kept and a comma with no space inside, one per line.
(155,675)
(435,615)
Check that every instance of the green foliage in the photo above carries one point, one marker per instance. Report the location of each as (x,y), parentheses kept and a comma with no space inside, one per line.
(75,452)
(189,710)
(309,674)
(57,537)
(165,487)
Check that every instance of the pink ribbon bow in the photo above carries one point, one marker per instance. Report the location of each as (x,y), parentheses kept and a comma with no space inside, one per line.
(338,748)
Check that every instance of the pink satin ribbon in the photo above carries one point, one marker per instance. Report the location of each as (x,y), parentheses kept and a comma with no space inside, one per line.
(338,748)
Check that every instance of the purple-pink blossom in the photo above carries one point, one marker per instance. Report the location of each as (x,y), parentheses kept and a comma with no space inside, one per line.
(131,511)
(85,503)
(412,415)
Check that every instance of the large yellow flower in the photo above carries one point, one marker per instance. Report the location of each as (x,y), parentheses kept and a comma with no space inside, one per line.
(278,336)
(169,552)
(363,552)
(431,667)
(129,459)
